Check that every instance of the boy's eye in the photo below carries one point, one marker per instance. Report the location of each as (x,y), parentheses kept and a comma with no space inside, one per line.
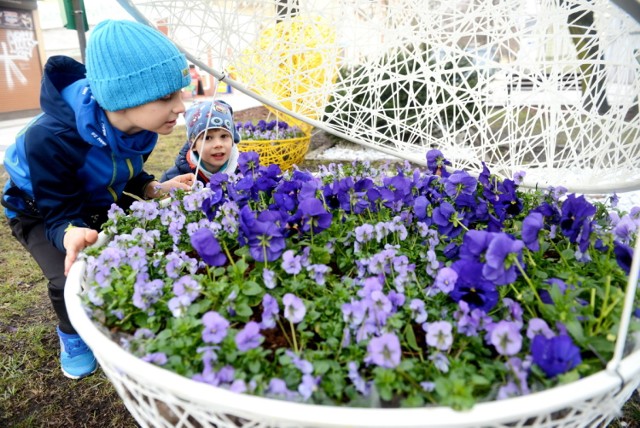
(168,97)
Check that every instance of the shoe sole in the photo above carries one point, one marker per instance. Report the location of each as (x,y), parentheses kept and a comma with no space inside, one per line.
(75,377)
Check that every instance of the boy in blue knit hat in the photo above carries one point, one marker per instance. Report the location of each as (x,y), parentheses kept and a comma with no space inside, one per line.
(211,142)
(87,148)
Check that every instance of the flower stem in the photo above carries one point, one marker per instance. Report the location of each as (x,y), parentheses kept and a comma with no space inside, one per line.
(226,251)
(528,280)
(293,336)
(285,334)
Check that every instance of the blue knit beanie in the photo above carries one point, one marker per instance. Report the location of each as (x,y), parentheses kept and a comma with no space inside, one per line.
(130,64)
(215,114)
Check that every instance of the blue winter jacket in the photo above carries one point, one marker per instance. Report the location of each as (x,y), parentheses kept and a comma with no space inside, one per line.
(69,165)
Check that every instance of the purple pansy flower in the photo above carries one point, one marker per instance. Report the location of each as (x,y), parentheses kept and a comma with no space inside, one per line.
(555,355)
(506,338)
(439,334)
(207,246)
(249,337)
(384,351)
(531,227)
(215,327)
(294,309)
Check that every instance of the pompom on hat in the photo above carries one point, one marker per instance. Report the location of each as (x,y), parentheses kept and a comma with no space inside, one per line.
(130,64)
(210,115)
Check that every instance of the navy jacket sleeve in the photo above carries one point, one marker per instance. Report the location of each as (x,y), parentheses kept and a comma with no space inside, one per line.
(53,161)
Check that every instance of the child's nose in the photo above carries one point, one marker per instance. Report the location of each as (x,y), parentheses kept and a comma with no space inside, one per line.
(178,106)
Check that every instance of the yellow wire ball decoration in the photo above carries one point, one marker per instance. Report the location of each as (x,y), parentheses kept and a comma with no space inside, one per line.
(285,152)
(298,64)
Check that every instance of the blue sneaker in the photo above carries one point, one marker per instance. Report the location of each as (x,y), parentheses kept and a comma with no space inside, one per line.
(76,358)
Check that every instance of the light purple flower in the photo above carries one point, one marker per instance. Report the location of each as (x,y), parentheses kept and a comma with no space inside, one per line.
(625,229)
(291,263)
(278,387)
(308,385)
(318,272)
(146,293)
(440,361)
(439,334)
(294,309)
(187,286)
(364,233)
(301,364)
(249,337)
(446,280)
(178,305)
(354,376)
(418,311)
(353,313)
(428,386)
(238,386)
(506,338)
(215,327)
(269,311)
(384,351)
(518,177)
(157,358)
(538,326)
(137,258)
(269,278)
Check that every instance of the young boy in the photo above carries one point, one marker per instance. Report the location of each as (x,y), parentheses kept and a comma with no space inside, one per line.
(87,148)
(211,142)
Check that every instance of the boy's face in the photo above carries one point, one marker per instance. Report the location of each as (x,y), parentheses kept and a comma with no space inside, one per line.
(158,116)
(214,148)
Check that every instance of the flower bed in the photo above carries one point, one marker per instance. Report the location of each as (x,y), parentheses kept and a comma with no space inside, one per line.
(367,288)
(275,141)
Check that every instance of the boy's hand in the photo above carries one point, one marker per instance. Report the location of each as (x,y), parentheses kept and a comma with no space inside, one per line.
(184,181)
(75,240)
(156,189)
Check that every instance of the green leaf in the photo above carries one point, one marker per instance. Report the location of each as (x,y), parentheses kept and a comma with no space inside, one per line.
(251,288)
(568,254)
(414,400)
(575,330)
(321,366)
(243,310)
(410,337)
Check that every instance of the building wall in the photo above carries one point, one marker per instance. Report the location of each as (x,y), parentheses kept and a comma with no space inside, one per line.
(20,58)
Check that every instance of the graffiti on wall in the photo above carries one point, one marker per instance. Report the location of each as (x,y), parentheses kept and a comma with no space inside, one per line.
(17,48)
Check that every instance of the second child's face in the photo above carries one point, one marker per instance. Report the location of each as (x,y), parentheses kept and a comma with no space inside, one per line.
(158,116)
(214,149)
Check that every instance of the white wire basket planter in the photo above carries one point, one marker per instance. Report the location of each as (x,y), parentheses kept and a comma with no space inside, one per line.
(547,109)
(160,398)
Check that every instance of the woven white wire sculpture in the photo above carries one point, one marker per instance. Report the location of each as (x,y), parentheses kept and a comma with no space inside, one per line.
(545,86)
